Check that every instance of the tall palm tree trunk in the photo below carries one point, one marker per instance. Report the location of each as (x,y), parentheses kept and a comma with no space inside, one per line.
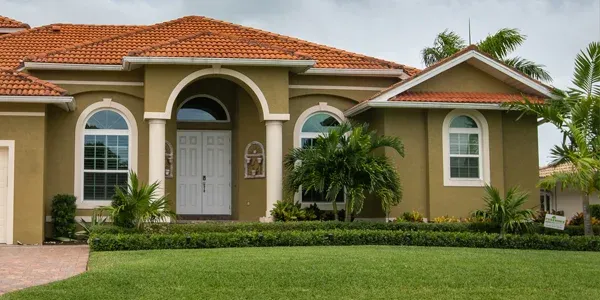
(587,220)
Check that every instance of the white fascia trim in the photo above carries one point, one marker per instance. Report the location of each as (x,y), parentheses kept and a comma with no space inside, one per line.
(10,192)
(10,29)
(356,72)
(79,67)
(21,114)
(65,102)
(456,61)
(430,105)
(96,82)
(335,87)
(128,60)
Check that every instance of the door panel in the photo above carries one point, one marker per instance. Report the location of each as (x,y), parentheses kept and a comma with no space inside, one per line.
(204,172)
(189,177)
(3,193)
(216,166)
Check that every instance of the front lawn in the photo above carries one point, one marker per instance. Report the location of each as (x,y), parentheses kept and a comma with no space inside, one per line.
(353,272)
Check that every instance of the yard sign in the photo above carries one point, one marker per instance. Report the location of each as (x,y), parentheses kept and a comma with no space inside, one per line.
(555,222)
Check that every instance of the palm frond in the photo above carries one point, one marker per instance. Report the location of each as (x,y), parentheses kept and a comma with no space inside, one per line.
(529,68)
(586,77)
(501,43)
(445,44)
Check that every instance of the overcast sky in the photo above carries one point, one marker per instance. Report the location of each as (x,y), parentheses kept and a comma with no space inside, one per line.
(391,29)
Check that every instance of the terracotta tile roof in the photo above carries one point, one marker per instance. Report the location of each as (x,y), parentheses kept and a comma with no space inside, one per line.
(213,45)
(443,61)
(16,46)
(6,22)
(549,170)
(462,97)
(111,50)
(13,83)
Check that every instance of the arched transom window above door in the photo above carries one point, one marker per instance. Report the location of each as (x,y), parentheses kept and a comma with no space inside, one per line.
(202,108)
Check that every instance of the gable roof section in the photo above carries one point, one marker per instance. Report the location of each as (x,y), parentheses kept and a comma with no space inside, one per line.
(111,50)
(6,22)
(398,95)
(15,46)
(13,83)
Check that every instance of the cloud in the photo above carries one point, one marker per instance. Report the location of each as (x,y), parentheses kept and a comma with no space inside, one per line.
(391,29)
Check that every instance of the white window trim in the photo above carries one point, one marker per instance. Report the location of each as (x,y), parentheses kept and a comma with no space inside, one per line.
(80,131)
(322,107)
(484,150)
(10,191)
(204,96)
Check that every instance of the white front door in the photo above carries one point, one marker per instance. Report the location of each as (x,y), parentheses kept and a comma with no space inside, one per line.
(203,172)
(3,194)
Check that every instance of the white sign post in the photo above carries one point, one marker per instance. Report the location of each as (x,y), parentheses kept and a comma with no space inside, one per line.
(555,222)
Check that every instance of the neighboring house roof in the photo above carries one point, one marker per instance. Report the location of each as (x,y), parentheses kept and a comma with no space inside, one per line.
(13,83)
(461,97)
(549,170)
(398,93)
(111,50)
(15,46)
(6,22)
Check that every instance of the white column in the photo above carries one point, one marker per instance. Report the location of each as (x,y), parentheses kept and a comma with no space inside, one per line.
(156,167)
(274,164)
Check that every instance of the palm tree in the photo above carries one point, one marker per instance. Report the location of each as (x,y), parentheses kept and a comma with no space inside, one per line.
(506,212)
(498,45)
(343,161)
(576,113)
(138,204)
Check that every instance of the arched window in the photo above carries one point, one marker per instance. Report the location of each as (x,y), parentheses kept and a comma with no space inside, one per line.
(312,123)
(316,125)
(202,108)
(106,155)
(466,160)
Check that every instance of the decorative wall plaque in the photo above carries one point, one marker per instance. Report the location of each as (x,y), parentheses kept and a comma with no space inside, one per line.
(254,160)
(168,160)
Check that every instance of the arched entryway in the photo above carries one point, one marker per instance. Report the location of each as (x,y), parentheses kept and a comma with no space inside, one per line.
(229,101)
(204,157)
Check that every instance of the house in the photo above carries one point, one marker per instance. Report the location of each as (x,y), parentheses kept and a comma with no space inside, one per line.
(208,109)
(562,198)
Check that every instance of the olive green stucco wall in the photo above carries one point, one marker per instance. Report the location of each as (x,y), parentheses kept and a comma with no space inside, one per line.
(60,143)
(28,136)
(513,160)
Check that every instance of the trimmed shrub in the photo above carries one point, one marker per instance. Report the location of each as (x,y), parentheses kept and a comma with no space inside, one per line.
(63,216)
(595,211)
(330,225)
(116,242)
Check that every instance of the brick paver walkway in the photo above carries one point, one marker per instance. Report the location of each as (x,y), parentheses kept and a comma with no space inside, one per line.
(25,266)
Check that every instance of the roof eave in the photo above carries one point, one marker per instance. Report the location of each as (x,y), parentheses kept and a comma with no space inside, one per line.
(75,67)
(357,109)
(357,72)
(299,65)
(65,102)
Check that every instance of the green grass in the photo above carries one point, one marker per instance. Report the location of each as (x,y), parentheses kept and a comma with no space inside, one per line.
(357,272)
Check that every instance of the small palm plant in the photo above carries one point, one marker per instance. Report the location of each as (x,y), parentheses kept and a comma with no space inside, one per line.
(506,212)
(344,160)
(138,204)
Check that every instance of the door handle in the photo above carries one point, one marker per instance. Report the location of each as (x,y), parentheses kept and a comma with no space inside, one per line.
(204,183)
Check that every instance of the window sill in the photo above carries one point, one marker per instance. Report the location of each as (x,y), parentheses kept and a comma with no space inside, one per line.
(91,204)
(464,182)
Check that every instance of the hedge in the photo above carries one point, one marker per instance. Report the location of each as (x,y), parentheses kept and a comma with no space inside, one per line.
(116,242)
(330,225)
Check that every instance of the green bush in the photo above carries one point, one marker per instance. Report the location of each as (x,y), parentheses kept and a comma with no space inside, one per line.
(162,228)
(63,216)
(595,211)
(115,242)
(411,216)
